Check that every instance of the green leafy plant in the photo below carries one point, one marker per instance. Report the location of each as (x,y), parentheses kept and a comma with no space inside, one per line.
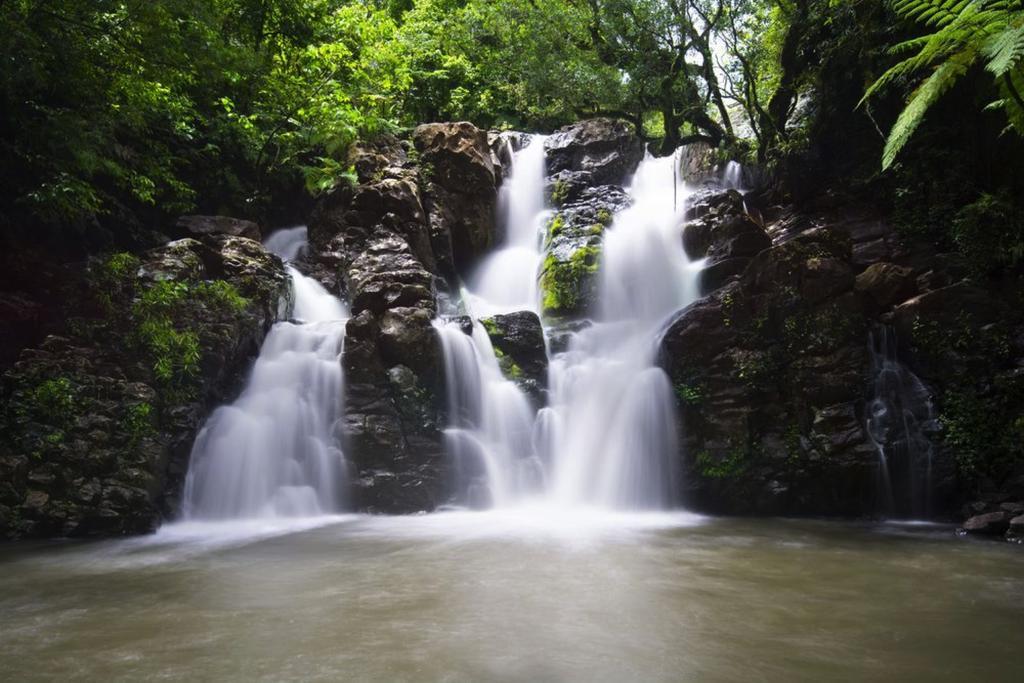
(965,32)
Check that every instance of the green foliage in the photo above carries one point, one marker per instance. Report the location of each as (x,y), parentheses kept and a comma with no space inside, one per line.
(161,327)
(965,32)
(989,233)
(690,394)
(138,422)
(52,400)
(985,430)
(735,463)
(981,420)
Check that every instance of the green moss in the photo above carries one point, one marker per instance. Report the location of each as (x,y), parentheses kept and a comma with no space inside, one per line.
(596,229)
(509,367)
(491,325)
(562,281)
(604,217)
(555,226)
(559,192)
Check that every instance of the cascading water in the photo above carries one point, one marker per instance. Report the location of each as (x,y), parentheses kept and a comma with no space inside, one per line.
(272,452)
(732,176)
(607,437)
(900,417)
(507,280)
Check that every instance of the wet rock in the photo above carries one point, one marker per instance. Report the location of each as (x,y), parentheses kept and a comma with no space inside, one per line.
(200,226)
(178,260)
(886,284)
(99,433)
(606,150)
(572,250)
(769,377)
(1016,530)
(457,167)
(988,524)
(518,341)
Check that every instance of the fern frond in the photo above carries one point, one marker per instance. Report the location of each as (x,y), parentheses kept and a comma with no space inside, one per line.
(940,81)
(1005,50)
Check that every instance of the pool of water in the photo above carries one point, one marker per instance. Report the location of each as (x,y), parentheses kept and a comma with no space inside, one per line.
(518,596)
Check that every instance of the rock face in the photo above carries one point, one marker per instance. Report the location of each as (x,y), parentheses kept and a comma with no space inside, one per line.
(377,243)
(587,164)
(604,151)
(218,225)
(460,180)
(96,435)
(770,374)
(518,340)
(719,229)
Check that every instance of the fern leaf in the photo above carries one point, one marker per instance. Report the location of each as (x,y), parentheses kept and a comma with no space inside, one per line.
(941,80)
(1005,50)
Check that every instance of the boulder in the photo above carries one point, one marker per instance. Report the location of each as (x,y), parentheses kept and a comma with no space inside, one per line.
(605,150)
(988,524)
(518,341)
(886,284)
(200,226)
(457,167)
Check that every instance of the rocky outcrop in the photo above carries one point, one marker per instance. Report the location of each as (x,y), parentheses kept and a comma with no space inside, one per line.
(719,229)
(460,180)
(599,151)
(518,341)
(770,374)
(587,164)
(96,435)
(376,243)
(198,226)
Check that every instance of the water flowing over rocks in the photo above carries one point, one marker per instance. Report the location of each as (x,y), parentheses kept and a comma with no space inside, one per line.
(99,423)
(518,340)
(588,164)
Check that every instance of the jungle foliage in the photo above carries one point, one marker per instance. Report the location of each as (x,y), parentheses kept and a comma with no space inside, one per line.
(118,114)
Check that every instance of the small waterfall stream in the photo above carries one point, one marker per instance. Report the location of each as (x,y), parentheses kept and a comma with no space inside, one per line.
(900,419)
(607,437)
(272,452)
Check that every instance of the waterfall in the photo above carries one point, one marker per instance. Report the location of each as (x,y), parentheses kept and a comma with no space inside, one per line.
(506,281)
(607,436)
(900,417)
(732,176)
(272,453)
(614,442)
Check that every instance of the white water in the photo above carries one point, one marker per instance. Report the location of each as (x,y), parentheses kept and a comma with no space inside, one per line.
(506,281)
(273,452)
(607,438)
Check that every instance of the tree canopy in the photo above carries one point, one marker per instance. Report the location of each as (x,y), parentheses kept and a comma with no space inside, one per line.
(129,110)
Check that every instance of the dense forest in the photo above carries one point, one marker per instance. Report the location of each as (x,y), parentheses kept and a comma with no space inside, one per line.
(118,115)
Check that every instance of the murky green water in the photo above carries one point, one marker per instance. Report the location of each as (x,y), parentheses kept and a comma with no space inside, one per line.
(505,597)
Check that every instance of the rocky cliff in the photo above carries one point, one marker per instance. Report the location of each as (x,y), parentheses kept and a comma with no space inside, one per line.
(98,423)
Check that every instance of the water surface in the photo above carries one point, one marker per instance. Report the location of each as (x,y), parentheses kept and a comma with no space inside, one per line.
(516,596)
